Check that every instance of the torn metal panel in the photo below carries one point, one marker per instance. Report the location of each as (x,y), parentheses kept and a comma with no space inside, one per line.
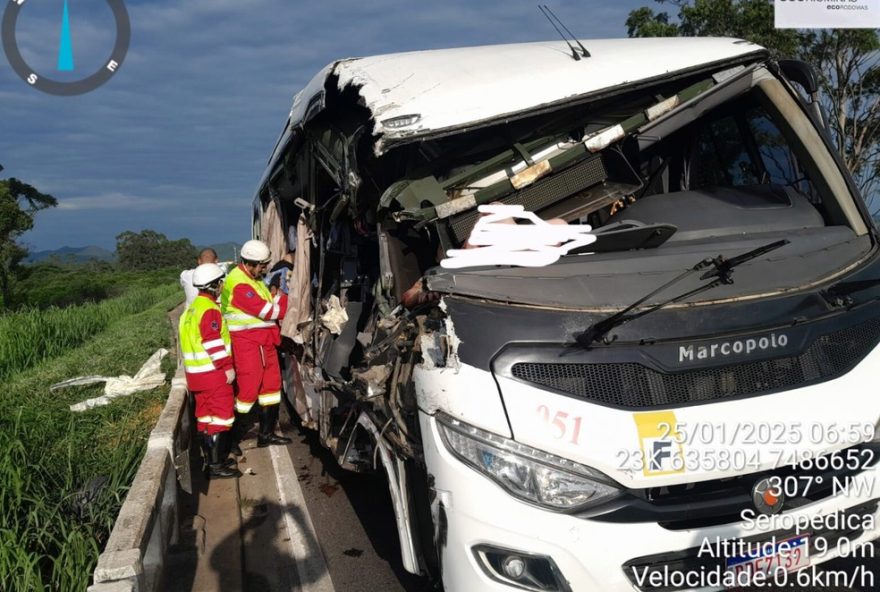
(373,380)
(424,92)
(310,100)
(312,383)
(452,344)
(398,488)
(433,355)
(466,392)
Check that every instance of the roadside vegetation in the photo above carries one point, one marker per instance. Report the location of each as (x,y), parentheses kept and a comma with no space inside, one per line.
(64,475)
(60,284)
(30,336)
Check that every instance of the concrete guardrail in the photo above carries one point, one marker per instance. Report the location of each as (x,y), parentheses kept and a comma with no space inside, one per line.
(134,557)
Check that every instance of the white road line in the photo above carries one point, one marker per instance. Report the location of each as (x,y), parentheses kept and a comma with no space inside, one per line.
(311,567)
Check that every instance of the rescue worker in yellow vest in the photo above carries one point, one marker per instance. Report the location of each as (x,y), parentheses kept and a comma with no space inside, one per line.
(252,314)
(207,361)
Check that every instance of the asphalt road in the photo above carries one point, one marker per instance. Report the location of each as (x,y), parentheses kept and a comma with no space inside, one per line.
(354,521)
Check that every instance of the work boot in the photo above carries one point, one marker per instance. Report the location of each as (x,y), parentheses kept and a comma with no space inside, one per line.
(215,461)
(225,440)
(268,419)
(206,450)
(240,427)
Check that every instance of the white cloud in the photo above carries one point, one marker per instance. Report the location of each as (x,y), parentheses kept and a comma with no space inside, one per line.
(183,130)
(113,201)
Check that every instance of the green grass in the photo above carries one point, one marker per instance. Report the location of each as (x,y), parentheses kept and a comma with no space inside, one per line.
(49,539)
(28,337)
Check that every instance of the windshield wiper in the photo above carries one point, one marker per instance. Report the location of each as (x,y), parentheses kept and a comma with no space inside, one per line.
(839,294)
(720,273)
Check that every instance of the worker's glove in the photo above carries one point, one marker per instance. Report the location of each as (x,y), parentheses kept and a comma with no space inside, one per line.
(230,376)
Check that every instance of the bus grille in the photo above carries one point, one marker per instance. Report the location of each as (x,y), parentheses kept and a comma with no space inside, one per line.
(636,386)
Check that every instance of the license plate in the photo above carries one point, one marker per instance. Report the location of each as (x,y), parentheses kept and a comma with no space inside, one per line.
(770,558)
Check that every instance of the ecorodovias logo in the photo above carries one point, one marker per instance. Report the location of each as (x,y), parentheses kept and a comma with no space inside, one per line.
(41,81)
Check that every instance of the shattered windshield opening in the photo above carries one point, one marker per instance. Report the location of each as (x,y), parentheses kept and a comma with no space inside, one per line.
(723,157)
(710,157)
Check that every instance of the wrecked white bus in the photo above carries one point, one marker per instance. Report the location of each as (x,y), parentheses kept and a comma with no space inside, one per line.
(666,407)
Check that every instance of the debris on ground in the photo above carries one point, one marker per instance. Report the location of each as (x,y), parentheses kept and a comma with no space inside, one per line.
(328,489)
(147,378)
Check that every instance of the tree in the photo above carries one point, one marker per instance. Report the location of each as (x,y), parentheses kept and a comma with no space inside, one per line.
(19,203)
(849,72)
(847,62)
(148,250)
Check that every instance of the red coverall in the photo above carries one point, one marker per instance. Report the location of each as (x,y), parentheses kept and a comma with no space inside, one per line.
(213,396)
(257,372)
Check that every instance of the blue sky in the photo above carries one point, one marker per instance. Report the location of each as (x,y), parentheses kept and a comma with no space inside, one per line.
(178,139)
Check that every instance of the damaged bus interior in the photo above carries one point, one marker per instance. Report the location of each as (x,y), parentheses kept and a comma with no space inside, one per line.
(720,158)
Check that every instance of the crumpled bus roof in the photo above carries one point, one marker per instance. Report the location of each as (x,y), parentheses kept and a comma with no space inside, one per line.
(436,91)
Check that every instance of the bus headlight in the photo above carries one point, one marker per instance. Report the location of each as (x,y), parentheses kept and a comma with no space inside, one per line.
(525,472)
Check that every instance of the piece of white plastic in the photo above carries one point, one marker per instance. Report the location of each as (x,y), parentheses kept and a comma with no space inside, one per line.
(147,378)
(499,242)
(335,317)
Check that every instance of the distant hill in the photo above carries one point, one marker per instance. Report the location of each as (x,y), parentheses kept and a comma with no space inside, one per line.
(72,255)
(225,251)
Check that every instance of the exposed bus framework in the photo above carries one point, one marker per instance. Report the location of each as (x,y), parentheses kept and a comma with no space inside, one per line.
(531,439)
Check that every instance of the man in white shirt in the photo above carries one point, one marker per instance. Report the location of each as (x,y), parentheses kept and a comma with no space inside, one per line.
(206,255)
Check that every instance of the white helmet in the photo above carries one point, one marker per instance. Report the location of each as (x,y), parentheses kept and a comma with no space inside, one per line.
(256,251)
(206,274)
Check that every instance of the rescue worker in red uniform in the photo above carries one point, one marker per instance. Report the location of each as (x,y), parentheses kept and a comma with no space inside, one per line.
(207,361)
(252,315)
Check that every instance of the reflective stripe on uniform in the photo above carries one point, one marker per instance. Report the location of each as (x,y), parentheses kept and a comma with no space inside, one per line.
(259,325)
(243,406)
(270,398)
(212,420)
(199,369)
(237,319)
(240,317)
(196,359)
(264,312)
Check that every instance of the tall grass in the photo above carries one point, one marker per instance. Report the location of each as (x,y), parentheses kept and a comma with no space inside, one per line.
(30,336)
(50,537)
(52,528)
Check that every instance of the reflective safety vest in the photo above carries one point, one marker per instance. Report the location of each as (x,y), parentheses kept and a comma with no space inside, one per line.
(237,319)
(196,359)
